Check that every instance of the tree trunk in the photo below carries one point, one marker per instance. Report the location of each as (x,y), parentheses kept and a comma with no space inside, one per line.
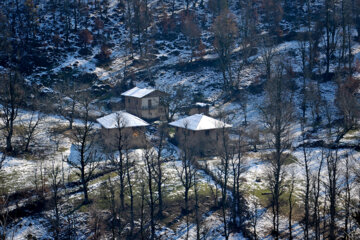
(83,180)
(132,217)
(9,147)
(307,187)
(197,207)
(151,195)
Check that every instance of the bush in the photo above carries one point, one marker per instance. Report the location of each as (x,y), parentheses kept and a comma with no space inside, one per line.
(104,55)
(87,78)
(85,51)
(85,37)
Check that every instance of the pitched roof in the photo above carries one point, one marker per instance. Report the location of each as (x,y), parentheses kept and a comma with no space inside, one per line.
(138,92)
(200,104)
(121,118)
(199,122)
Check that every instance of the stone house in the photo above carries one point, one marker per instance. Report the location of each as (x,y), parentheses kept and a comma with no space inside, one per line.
(125,126)
(200,133)
(145,103)
(199,108)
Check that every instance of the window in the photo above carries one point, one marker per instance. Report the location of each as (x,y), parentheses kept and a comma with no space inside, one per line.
(149,103)
(128,100)
(135,133)
(207,132)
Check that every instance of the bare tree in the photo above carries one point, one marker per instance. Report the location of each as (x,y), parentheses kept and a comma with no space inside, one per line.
(330,31)
(291,203)
(142,203)
(356,214)
(96,224)
(112,205)
(213,189)
(302,45)
(316,186)
(29,129)
(313,37)
(55,137)
(254,217)
(237,168)
(129,24)
(247,35)
(244,101)
(348,195)
(197,205)
(148,158)
(306,162)
(4,203)
(99,25)
(158,168)
(186,172)
(192,32)
(11,96)
(345,25)
(314,99)
(277,114)
(128,166)
(55,183)
(176,102)
(2,160)
(86,159)
(68,98)
(141,21)
(43,176)
(226,156)
(4,218)
(267,56)
(253,133)
(225,32)
(70,226)
(347,103)
(121,144)
(332,161)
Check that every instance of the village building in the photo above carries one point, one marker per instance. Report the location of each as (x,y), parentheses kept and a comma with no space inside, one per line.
(199,108)
(201,133)
(131,129)
(145,103)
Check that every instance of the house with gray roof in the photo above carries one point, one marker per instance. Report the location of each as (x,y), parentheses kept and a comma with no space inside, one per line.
(200,133)
(125,126)
(145,103)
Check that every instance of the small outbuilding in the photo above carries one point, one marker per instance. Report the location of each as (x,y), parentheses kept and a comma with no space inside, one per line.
(145,103)
(125,126)
(199,108)
(201,133)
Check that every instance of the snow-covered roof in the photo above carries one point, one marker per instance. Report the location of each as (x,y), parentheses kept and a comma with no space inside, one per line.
(199,122)
(200,104)
(122,118)
(138,92)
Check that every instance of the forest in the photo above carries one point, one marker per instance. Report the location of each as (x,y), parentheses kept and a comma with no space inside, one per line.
(169,119)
